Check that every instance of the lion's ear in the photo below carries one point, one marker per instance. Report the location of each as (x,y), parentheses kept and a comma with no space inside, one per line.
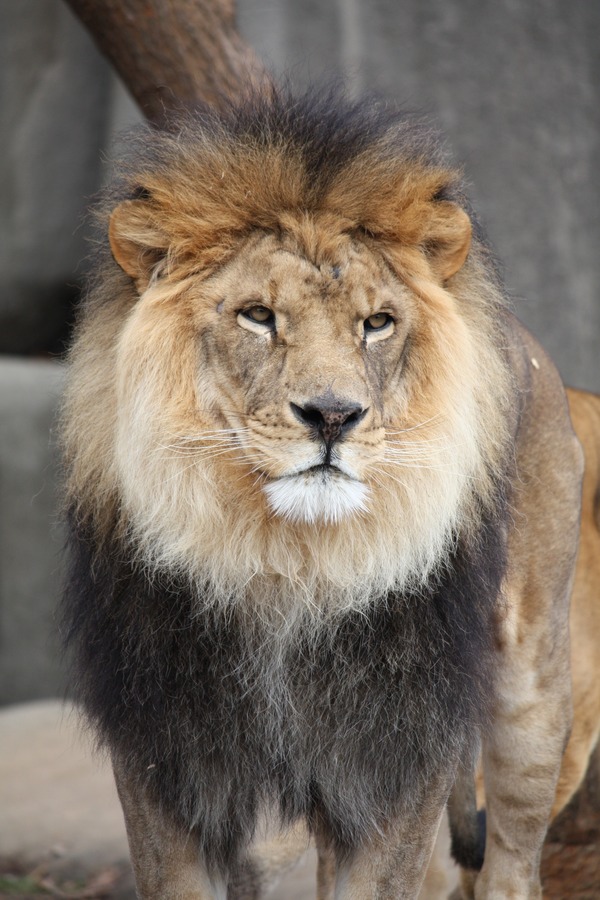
(137,243)
(448,239)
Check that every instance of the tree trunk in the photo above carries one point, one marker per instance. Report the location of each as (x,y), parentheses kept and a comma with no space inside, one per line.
(172,54)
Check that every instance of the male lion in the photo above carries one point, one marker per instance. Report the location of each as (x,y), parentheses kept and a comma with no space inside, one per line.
(324,500)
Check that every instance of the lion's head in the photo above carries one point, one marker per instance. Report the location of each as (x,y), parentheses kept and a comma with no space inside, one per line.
(287,380)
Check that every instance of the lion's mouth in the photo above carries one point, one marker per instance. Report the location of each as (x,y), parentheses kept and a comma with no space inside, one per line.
(319,493)
(324,469)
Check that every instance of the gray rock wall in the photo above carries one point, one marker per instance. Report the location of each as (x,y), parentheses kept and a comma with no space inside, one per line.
(514,84)
(31,540)
(53,113)
(57,107)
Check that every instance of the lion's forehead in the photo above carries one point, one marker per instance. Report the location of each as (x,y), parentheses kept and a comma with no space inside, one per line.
(282,273)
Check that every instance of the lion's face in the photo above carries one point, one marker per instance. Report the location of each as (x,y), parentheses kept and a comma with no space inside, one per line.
(301,399)
(300,372)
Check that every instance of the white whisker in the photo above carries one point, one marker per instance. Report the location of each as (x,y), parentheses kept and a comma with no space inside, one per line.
(416,463)
(416,457)
(417,426)
(412,443)
(205,454)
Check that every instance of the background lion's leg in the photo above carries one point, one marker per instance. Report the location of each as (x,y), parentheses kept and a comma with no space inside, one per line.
(166,861)
(585,606)
(575,762)
(266,862)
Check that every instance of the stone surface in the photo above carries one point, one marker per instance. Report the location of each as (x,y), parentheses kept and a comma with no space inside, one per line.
(55,118)
(30,537)
(58,802)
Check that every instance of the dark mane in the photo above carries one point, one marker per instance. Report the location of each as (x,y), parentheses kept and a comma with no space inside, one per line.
(216,726)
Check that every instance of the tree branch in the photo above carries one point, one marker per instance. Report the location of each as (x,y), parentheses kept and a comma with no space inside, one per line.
(172,54)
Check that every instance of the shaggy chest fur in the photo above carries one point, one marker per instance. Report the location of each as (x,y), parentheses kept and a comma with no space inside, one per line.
(345,722)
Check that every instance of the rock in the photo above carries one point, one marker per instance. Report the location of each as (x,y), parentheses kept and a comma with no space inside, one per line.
(54,121)
(59,812)
(31,540)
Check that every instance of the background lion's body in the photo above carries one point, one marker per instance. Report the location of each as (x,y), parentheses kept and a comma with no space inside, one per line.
(584,620)
(320,530)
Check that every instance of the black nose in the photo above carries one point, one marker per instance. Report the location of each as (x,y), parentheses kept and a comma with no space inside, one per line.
(328,417)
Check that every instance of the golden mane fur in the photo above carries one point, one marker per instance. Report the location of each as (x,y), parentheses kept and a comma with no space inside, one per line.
(144,419)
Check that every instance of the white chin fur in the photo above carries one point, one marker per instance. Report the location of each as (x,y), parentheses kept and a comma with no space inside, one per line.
(316,497)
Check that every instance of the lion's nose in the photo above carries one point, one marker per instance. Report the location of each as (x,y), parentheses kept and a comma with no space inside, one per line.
(328,417)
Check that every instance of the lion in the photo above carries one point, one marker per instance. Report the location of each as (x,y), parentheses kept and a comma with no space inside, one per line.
(323,496)
(585,606)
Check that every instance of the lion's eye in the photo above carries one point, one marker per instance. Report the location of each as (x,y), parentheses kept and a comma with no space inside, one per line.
(377,326)
(259,314)
(378,322)
(259,319)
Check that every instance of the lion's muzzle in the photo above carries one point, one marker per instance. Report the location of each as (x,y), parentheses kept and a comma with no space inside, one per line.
(329,418)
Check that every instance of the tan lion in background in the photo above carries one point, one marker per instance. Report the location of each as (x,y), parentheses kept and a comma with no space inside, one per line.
(324,497)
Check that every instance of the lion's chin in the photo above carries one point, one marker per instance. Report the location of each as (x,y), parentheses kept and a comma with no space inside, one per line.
(317,495)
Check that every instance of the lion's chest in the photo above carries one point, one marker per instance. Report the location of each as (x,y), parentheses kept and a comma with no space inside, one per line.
(344,724)
(346,721)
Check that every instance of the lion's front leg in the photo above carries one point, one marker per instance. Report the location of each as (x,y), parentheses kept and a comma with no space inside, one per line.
(166,860)
(392,864)
(532,713)
(521,759)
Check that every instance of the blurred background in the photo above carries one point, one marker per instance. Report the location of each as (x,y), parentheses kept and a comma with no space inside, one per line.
(513,84)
